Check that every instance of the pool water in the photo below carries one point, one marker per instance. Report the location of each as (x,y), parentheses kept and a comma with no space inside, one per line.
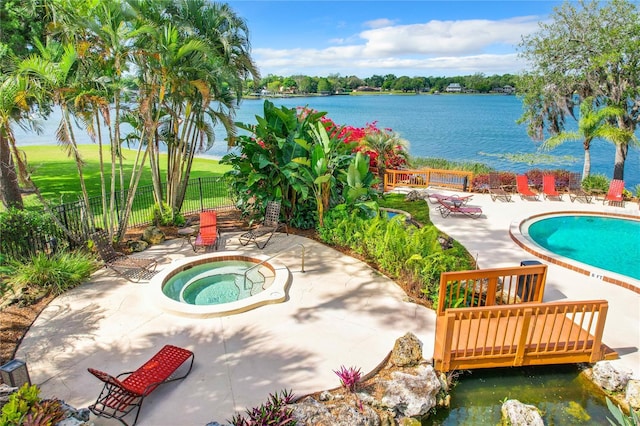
(604,242)
(215,283)
(563,395)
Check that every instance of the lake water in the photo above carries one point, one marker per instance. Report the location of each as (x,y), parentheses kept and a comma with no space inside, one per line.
(474,128)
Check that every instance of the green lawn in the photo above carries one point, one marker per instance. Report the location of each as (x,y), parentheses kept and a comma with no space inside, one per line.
(57,176)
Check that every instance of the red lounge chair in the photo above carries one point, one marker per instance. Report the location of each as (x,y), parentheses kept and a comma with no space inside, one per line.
(208,235)
(614,196)
(522,186)
(434,198)
(120,397)
(549,187)
(448,207)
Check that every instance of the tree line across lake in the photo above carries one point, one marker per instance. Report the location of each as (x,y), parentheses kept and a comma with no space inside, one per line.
(303,84)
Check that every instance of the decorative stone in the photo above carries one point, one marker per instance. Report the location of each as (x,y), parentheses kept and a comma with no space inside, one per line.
(518,414)
(137,246)
(609,377)
(153,235)
(632,394)
(5,392)
(348,415)
(414,196)
(407,351)
(326,396)
(311,412)
(412,395)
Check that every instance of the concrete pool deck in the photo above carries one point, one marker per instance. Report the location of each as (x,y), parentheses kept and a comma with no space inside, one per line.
(339,312)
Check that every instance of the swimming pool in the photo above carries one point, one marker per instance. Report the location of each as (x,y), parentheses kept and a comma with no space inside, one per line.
(610,243)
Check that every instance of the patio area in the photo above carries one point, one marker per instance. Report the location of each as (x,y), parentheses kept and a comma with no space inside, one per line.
(338,312)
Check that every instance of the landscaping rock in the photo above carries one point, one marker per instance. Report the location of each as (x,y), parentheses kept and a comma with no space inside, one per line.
(153,235)
(311,412)
(349,415)
(5,392)
(137,246)
(516,413)
(412,395)
(610,377)
(632,394)
(414,196)
(407,351)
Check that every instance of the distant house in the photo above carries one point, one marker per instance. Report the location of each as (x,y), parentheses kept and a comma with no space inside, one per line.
(508,90)
(453,87)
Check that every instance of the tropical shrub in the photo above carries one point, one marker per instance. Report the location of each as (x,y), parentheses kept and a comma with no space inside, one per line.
(42,274)
(295,156)
(25,232)
(273,412)
(598,182)
(481,181)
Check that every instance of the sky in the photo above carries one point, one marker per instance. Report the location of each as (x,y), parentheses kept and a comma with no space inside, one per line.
(412,38)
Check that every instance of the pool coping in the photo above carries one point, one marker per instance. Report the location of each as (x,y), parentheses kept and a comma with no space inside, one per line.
(275,293)
(522,239)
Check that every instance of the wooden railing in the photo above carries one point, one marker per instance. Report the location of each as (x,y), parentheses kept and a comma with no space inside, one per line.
(449,179)
(489,287)
(517,335)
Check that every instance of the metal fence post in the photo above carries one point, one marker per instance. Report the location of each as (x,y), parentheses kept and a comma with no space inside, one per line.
(201,197)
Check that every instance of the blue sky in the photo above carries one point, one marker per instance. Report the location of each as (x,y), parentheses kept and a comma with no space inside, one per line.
(414,38)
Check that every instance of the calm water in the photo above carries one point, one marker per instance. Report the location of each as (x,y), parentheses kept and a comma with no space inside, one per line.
(563,396)
(586,238)
(478,128)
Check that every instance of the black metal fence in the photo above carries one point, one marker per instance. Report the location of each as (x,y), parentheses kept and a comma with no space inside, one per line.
(211,193)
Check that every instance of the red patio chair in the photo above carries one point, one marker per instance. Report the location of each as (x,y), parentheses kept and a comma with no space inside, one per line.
(208,235)
(120,397)
(522,186)
(549,187)
(614,196)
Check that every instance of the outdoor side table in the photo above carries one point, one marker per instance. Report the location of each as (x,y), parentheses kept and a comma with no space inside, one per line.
(186,234)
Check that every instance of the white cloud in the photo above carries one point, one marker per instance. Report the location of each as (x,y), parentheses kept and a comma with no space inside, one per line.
(432,48)
(378,23)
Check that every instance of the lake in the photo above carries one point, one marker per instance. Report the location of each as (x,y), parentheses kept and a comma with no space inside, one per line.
(474,128)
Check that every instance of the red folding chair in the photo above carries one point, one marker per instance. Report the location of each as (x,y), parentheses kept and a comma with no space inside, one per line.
(522,186)
(549,187)
(208,234)
(614,195)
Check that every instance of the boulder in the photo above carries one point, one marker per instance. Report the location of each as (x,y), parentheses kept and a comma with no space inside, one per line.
(414,196)
(610,377)
(153,235)
(407,351)
(412,395)
(632,394)
(516,413)
(137,246)
(311,412)
(350,415)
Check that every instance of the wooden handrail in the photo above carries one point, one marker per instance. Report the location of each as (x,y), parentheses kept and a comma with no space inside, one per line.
(516,335)
(450,179)
(488,287)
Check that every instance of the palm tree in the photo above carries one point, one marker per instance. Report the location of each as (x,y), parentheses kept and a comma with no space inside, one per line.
(387,145)
(593,123)
(12,111)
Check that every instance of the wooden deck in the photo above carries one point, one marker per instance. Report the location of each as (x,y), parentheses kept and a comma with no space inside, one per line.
(516,331)
(448,179)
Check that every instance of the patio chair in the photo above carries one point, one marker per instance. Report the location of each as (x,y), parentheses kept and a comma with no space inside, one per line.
(614,195)
(496,189)
(132,268)
(522,186)
(447,207)
(549,187)
(270,225)
(119,397)
(435,197)
(208,234)
(575,189)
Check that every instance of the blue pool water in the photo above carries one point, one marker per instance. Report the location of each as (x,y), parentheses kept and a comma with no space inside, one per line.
(604,242)
(215,283)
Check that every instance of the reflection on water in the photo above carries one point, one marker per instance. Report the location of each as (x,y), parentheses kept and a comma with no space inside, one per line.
(560,392)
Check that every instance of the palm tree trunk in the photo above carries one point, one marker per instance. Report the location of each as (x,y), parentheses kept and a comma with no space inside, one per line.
(621,156)
(11,196)
(586,168)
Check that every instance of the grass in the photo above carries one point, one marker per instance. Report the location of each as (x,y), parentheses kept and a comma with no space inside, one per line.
(56,175)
